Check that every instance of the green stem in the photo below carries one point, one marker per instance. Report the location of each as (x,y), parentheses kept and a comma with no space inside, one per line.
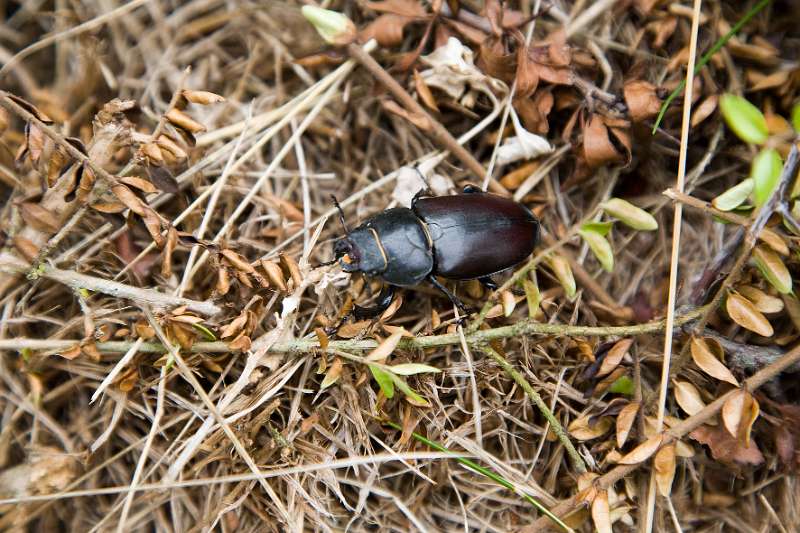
(707,57)
(558,429)
(500,480)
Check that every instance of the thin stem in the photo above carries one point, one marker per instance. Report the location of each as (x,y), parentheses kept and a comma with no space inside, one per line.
(707,57)
(558,429)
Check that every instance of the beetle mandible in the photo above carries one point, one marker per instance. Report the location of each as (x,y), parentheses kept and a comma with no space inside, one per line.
(460,237)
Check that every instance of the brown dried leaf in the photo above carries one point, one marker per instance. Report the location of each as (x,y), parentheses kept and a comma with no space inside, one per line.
(704,109)
(241,343)
(153,153)
(739,413)
(352,329)
(26,247)
(597,147)
(708,362)
(237,261)
(764,302)
(38,217)
(581,429)
(169,248)
(407,8)
(642,452)
(625,420)
(333,374)
(614,356)
(293,268)
(385,348)
(726,448)
(601,515)
(508,302)
(744,313)
(688,397)
(275,274)
(167,143)
(642,99)
(424,92)
(417,119)
(664,466)
(70,353)
(322,338)
(223,281)
(387,29)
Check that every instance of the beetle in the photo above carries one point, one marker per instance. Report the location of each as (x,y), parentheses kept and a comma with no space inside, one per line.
(460,237)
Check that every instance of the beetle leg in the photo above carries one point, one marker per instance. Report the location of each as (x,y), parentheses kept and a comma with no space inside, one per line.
(420,193)
(472,189)
(488,282)
(383,302)
(452,297)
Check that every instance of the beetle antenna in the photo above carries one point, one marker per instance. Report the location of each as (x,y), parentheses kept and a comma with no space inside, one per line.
(324,264)
(341,214)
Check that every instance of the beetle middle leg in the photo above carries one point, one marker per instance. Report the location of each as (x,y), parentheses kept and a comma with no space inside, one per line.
(452,297)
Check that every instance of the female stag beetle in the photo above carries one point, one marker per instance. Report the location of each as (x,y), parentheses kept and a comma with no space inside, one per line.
(465,236)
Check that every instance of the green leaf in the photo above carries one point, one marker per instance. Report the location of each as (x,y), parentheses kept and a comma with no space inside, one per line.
(735,196)
(623,385)
(795,116)
(629,214)
(766,171)
(563,272)
(598,227)
(773,268)
(384,379)
(411,395)
(600,247)
(205,331)
(332,26)
(532,295)
(745,119)
(410,369)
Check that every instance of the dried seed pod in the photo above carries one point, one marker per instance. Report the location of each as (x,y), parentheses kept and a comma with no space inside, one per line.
(184,121)
(275,274)
(202,97)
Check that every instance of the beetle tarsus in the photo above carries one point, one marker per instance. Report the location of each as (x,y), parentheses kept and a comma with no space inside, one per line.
(383,302)
(452,297)
(488,282)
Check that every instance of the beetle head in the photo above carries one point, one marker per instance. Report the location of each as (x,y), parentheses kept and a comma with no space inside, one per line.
(346,254)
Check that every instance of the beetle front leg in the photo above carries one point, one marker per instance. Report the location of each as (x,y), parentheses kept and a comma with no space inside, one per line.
(383,302)
(452,297)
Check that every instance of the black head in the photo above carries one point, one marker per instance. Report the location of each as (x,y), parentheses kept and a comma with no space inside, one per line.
(346,253)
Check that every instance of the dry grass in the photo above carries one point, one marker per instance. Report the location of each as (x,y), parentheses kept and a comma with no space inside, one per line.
(102,429)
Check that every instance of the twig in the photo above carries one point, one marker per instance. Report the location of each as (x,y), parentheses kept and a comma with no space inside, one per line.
(78,281)
(433,126)
(674,257)
(574,456)
(674,433)
(477,338)
(7,102)
(750,239)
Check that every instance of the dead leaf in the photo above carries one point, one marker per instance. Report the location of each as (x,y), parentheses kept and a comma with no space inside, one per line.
(614,356)
(424,92)
(704,109)
(385,348)
(417,119)
(744,313)
(275,274)
(293,268)
(705,358)
(169,248)
(322,338)
(739,413)
(642,100)
(139,183)
(184,121)
(643,451)
(601,515)
(764,302)
(202,97)
(581,429)
(597,147)
(39,217)
(333,374)
(726,448)
(237,261)
(688,397)
(664,466)
(625,420)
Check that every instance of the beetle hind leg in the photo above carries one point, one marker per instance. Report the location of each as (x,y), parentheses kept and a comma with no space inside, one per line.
(488,282)
(452,297)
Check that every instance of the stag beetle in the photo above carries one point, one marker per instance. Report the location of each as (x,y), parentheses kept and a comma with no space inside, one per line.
(464,236)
